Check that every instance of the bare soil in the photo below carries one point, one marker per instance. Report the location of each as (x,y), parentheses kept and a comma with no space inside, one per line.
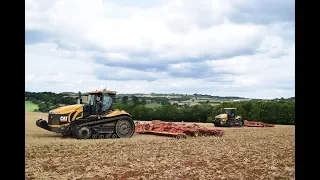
(242,153)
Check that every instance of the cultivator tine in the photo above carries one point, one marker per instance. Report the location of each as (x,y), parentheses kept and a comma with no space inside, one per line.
(257,124)
(177,130)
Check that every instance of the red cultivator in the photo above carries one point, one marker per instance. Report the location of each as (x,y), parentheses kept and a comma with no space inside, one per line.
(257,124)
(176,130)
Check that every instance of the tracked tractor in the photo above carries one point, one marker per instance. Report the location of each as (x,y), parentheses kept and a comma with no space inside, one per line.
(228,119)
(97,119)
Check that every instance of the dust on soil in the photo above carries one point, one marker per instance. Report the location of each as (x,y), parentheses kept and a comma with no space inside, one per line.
(242,153)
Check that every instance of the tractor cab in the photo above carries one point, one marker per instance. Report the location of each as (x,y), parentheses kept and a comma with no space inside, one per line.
(100,102)
(231,112)
(228,118)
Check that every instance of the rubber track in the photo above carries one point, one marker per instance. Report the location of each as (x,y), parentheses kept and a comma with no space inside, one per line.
(98,122)
(75,127)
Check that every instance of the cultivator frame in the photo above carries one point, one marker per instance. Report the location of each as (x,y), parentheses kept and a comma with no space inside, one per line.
(176,130)
(257,124)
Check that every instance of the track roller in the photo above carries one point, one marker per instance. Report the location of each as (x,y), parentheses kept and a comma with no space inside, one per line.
(108,136)
(101,136)
(95,136)
(114,136)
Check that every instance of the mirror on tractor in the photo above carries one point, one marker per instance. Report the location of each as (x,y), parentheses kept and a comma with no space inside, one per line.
(79,101)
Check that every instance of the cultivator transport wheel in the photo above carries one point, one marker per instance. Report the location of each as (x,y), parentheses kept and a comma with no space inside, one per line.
(84,133)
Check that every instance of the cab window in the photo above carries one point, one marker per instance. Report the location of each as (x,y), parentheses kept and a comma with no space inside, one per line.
(106,102)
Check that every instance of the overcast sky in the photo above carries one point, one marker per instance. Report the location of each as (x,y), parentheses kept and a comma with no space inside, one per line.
(220,47)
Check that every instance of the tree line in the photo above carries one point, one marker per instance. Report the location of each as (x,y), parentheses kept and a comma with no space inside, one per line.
(48,100)
(275,112)
(135,99)
(280,111)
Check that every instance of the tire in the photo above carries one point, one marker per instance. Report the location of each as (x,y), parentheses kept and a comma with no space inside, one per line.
(84,133)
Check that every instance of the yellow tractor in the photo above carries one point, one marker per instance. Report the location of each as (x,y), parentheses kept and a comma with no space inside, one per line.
(228,119)
(94,120)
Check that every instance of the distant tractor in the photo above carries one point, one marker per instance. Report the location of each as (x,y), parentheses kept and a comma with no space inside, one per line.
(228,119)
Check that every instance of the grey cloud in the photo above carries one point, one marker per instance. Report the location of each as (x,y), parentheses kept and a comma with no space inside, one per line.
(205,15)
(33,36)
(199,71)
(278,55)
(139,3)
(196,70)
(132,63)
(285,85)
(100,75)
(264,12)
(71,45)
(148,61)
(115,73)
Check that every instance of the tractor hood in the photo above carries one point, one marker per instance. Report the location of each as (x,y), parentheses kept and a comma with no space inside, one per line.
(222,116)
(66,109)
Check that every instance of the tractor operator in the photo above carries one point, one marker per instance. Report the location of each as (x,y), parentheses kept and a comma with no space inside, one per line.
(98,104)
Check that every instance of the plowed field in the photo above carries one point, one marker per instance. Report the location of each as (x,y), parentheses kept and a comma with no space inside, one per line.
(242,153)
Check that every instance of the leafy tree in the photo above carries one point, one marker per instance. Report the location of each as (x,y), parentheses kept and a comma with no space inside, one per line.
(135,99)
(125,99)
(144,102)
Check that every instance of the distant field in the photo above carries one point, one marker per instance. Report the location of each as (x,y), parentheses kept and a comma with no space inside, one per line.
(30,107)
(153,105)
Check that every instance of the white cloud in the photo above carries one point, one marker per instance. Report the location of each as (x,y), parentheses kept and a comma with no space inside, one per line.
(201,40)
